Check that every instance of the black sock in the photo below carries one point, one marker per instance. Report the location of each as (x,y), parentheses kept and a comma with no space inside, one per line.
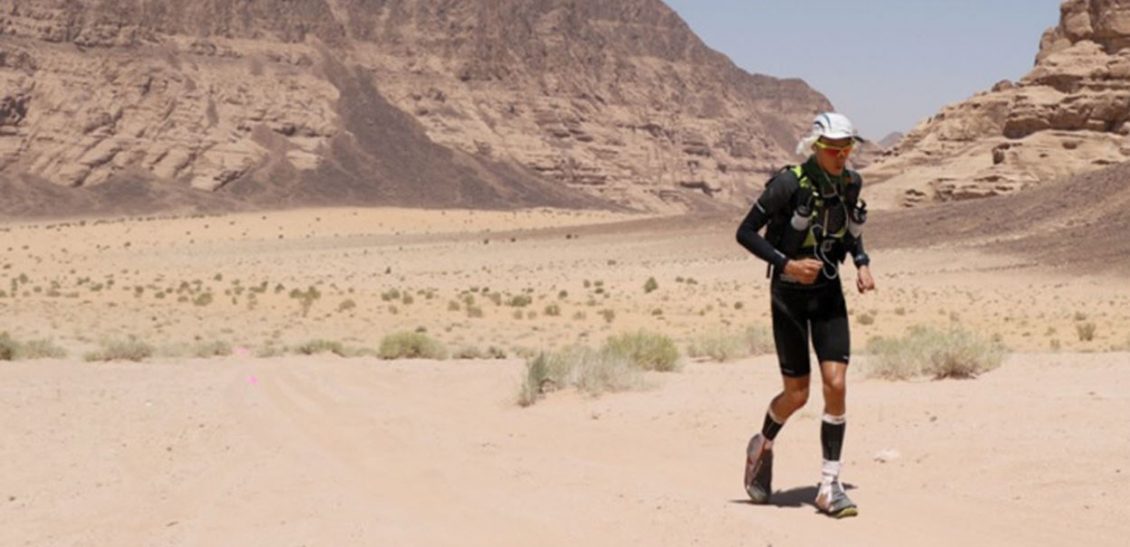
(832,438)
(770,427)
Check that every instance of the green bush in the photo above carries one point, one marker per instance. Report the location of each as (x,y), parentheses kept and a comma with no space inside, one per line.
(650,285)
(645,350)
(411,345)
(950,353)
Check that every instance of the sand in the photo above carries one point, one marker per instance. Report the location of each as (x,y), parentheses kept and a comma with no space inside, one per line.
(326,451)
(321,450)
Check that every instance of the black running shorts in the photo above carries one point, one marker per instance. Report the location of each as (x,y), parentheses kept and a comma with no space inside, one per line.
(799,310)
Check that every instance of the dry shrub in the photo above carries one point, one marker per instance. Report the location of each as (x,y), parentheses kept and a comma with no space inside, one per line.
(645,350)
(315,347)
(121,350)
(411,345)
(216,348)
(590,371)
(14,350)
(1086,331)
(724,347)
(473,352)
(949,353)
(718,347)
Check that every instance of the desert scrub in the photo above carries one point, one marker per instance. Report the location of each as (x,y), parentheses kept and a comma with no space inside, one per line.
(722,347)
(645,350)
(472,352)
(1085,331)
(520,301)
(609,315)
(14,350)
(306,298)
(411,345)
(759,340)
(314,347)
(948,353)
(650,285)
(719,347)
(121,350)
(215,348)
(590,371)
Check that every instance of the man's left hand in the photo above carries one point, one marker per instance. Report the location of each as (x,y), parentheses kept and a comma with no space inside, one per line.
(864,282)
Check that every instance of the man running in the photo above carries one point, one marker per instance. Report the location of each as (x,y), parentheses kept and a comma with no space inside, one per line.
(815,218)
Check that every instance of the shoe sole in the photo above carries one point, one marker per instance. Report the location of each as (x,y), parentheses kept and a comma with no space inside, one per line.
(845,513)
(850,511)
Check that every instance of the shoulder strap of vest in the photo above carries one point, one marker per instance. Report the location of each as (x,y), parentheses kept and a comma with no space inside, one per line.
(801,176)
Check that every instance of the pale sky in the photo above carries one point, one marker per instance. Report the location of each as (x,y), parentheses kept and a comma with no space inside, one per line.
(886,64)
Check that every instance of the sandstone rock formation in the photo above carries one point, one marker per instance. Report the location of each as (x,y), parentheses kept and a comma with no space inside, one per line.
(405,102)
(891,140)
(1069,115)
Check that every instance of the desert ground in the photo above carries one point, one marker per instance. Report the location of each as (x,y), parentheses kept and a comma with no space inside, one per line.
(266,447)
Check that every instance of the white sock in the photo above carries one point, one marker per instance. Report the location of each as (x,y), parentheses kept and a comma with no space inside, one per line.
(829,473)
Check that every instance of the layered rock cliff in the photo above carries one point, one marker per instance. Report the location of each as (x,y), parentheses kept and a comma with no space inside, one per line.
(1069,115)
(403,102)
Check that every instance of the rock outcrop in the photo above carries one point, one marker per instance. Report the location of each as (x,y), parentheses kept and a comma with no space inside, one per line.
(400,102)
(890,141)
(1069,115)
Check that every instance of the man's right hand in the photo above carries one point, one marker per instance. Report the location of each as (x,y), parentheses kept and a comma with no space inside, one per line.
(804,270)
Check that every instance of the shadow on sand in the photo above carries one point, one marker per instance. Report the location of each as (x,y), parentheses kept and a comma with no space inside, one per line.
(793,497)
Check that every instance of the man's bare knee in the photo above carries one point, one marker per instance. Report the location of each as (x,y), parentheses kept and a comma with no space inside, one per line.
(836,387)
(795,398)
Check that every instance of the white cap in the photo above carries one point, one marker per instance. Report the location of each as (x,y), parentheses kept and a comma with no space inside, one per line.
(830,125)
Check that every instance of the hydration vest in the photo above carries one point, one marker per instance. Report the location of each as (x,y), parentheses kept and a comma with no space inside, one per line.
(828,199)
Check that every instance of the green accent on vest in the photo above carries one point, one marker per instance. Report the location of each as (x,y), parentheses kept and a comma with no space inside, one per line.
(818,206)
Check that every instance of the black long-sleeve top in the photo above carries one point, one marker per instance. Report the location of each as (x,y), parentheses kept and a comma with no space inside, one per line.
(777,202)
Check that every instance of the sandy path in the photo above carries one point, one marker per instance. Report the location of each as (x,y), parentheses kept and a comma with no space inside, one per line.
(323,451)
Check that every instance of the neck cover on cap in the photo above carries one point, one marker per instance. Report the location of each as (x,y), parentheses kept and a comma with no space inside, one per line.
(829,125)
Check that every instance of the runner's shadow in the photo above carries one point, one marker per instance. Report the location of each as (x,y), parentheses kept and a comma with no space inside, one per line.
(793,497)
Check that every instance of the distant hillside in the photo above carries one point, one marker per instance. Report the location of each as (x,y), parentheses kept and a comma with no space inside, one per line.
(1074,223)
(425,103)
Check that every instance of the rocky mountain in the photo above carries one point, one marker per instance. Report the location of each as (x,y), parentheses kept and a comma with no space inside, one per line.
(891,140)
(1069,115)
(435,103)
